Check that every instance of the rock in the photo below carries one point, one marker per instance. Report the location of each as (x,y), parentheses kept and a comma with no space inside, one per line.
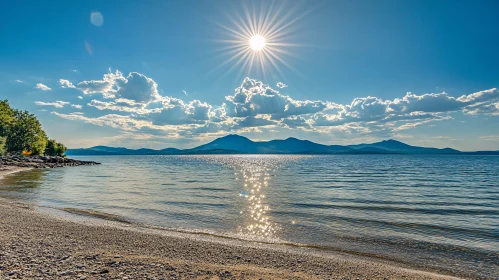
(42,161)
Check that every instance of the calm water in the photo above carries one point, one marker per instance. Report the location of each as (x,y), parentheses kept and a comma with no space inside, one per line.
(437,211)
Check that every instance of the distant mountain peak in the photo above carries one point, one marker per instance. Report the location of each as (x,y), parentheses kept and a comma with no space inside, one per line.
(393,141)
(233,136)
(234,144)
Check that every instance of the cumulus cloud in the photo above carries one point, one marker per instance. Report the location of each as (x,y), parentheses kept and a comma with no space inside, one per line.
(176,112)
(77,106)
(410,107)
(135,87)
(138,87)
(281,85)
(106,86)
(42,87)
(253,122)
(56,104)
(134,103)
(253,98)
(80,97)
(66,84)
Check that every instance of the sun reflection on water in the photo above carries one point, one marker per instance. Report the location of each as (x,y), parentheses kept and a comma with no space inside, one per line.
(256,177)
(253,177)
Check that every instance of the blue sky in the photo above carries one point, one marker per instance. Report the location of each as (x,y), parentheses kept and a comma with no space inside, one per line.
(159,73)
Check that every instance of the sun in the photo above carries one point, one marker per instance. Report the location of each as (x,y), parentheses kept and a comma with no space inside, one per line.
(257,42)
(260,39)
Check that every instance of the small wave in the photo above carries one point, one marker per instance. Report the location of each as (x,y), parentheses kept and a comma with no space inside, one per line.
(97,214)
(210,189)
(400,209)
(198,204)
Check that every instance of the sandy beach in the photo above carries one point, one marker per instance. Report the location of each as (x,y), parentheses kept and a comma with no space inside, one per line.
(36,244)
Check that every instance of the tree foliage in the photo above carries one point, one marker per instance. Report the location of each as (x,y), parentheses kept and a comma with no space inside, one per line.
(55,149)
(6,117)
(21,131)
(26,134)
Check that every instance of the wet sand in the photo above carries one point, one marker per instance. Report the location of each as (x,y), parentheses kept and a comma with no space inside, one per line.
(36,244)
(7,169)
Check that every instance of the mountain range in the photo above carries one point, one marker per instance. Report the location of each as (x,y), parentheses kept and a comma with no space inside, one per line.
(236,144)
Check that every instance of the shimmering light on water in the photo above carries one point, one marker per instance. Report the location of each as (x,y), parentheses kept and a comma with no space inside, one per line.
(441,211)
(254,173)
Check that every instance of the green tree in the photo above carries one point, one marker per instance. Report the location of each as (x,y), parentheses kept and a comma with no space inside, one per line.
(61,149)
(2,145)
(55,149)
(51,149)
(26,134)
(7,118)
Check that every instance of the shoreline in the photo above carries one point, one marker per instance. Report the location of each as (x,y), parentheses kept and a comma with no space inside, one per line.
(41,244)
(10,169)
(58,247)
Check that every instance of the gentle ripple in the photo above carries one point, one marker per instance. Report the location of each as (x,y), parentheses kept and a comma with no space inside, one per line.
(438,211)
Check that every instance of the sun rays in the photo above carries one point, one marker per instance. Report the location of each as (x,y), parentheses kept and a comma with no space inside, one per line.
(260,38)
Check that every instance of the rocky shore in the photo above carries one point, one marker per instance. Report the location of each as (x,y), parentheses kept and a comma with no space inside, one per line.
(41,161)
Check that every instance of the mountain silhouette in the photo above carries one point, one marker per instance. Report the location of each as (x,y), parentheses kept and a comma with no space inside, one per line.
(236,144)
(400,147)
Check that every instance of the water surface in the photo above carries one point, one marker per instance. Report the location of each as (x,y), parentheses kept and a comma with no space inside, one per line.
(434,211)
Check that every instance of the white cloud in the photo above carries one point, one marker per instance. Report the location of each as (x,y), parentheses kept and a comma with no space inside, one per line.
(138,87)
(256,106)
(42,87)
(77,106)
(121,106)
(80,97)
(19,81)
(135,87)
(176,112)
(281,85)
(66,84)
(253,98)
(106,86)
(490,138)
(253,122)
(185,92)
(56,104)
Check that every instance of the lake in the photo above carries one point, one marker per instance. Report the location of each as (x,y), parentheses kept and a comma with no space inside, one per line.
(433,211)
